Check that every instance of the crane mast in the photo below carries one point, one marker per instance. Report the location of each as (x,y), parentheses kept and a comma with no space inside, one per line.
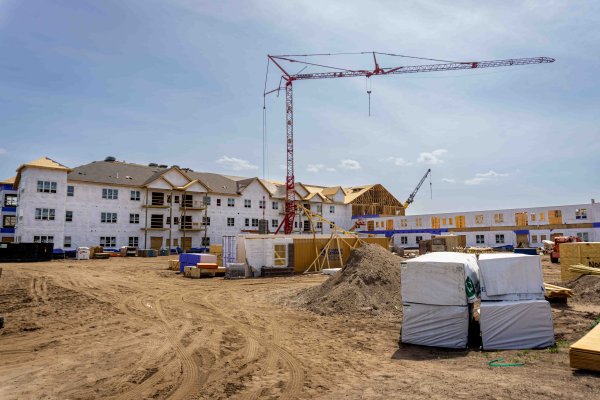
(288,78)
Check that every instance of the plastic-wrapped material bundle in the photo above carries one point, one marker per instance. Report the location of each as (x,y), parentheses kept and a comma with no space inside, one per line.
(516,325)
(445,278)
(437,326)
(506,276)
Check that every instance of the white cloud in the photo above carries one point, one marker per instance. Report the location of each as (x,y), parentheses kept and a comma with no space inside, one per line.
(432,158)
(484,177)
(330,169)
(315,167)
(399,161)
(3,151)
(350,164)
(236,164)
(448,180)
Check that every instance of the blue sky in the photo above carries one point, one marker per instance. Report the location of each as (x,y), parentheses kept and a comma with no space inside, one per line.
(180,82)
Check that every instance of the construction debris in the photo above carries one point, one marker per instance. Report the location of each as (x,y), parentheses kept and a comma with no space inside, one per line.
(586,288)
(556,292)
(368,284)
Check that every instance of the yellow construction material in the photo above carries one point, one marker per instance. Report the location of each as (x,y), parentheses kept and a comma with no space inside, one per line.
(217,249)
(582,269)
(585,353)
(587,254)
(174,265)
(553,291)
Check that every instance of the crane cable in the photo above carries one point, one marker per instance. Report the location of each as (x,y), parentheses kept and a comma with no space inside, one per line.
(264,125)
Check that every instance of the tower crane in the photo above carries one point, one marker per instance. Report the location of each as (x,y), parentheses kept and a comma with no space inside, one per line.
(335,72)
(411,198)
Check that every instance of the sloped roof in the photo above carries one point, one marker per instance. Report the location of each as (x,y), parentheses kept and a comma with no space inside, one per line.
(8,181)
(115,173)
(44,163)
(355,191)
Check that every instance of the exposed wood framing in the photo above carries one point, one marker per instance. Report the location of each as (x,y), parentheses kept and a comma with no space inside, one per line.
(377,200)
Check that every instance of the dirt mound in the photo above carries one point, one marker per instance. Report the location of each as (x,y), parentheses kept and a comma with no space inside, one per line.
(369,283)
(586,289)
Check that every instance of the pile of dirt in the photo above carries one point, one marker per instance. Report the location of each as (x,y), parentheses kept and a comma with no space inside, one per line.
(586,289)
(369,283)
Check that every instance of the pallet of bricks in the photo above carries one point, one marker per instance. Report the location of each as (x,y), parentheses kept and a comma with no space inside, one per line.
(581,253)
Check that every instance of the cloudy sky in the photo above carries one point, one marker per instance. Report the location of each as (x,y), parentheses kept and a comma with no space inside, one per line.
(181,82)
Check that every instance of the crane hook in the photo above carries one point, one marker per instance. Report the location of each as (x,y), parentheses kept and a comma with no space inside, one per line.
(368,87)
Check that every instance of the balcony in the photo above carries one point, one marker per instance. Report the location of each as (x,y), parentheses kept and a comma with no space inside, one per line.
(195,205)
(156,205)
(193,227)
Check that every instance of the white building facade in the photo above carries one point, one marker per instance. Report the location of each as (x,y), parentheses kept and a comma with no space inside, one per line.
(492,228)
(113,204)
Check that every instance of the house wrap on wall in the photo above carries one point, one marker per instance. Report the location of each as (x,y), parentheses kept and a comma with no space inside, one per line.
(113,203)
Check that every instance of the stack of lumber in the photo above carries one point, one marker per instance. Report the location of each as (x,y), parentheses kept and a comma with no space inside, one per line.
(557,292)
(583,270)
(585,353)
(217,249)
(174,265)
(583,253)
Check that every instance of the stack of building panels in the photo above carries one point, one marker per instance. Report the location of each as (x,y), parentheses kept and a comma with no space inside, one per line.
(437,292)
(585,353)
(513,313)
(587,254)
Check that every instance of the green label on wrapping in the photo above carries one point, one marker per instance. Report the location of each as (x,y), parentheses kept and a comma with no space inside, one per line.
(469,288)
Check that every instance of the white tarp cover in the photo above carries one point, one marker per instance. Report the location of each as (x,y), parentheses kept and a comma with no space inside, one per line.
(508,276)
(444,278)
(437,326)
(516,325)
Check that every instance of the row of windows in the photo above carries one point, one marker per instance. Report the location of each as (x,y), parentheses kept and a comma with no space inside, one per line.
(10,200)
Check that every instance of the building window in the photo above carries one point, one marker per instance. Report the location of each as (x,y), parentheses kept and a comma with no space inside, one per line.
(156,221)
(110,194)
(206,200)
(444,221)
(69,216)
(9,221)
(584,236)
(157,199)
(275,205)
(134,218)
(108,241)
(135,195)
(43,239)
(331,209)
(498,218)
(500,239)
(479,219)
(274,223)
(403,239)
(404,222)
(262,204)
(230,202)
(205,241)
(542,237)
(175,220)
(254,222)
(134,241)
(542,216)
(186,222)
(247,222)
(218,202)
(247,203)
(10,200)
(108,218)
(46,187)
(533,216)
(176,200)
(230,221)
(449,221)
(205,221)
(534,239)
(480,239)
(67,242)
(70,193)
(319,225)
(581,213)
(419,221)
(418,239)
(45,214)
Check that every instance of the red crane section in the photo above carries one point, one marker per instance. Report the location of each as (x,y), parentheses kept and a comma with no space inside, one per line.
(290,201)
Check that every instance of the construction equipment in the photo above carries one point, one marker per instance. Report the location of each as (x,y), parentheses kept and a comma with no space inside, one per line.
(555,255)
(337,72)
(411,198)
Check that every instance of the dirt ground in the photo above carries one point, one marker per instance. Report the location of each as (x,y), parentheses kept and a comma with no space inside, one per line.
(129,329)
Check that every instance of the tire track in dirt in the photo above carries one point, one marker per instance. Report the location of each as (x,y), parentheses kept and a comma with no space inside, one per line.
(294,386)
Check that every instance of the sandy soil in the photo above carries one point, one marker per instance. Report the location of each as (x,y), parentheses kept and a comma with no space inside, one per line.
(129,329)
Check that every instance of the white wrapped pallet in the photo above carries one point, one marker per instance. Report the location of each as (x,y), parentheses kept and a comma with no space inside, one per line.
(444,278)
(516,325)
(437,326)
(507,276)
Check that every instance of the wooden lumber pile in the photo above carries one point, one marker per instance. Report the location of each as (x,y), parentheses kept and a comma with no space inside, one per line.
(585,353)
(584,253)
(174,265)
(583,270)
(554,292)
